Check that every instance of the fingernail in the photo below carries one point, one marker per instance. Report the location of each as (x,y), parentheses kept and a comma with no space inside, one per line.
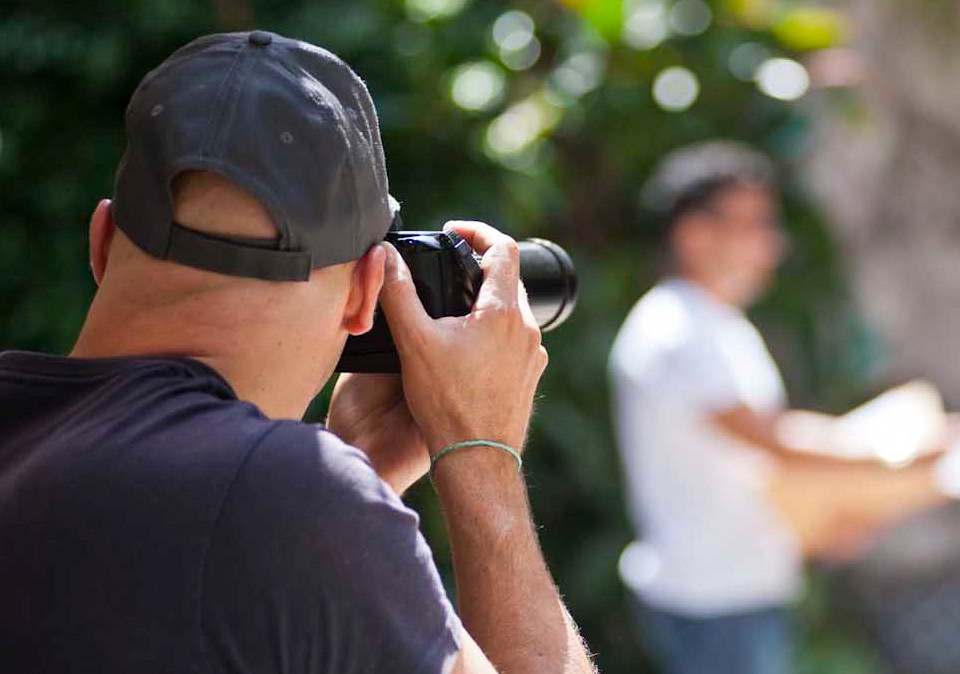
(391,269)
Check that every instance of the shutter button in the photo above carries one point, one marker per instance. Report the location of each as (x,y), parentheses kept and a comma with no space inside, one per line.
(260,38)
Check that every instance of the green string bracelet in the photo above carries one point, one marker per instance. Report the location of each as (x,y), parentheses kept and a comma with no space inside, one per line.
(475,443)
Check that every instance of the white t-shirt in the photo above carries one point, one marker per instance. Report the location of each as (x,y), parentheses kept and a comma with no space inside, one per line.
(710,543)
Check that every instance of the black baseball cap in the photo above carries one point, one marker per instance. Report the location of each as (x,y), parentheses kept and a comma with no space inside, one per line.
(289,122)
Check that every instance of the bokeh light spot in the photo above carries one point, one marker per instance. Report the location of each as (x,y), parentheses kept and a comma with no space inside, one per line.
(519,127)
(675,89)
(513,33)
(521,59)
(477,86)
(783,79)
(745,59)
(579,74)
(513,30)
(427,10)
(645,25)
(514,130)
(691,17)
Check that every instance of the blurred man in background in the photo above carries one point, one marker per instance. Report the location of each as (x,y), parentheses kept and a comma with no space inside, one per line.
(698,400)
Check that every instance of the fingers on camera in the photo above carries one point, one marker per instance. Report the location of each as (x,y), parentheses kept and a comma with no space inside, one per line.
(398,297)
(500,261)
(501,280)
(543,358)
(479,235)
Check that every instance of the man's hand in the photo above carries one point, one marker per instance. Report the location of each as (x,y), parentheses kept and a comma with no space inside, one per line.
(369,412)
(468,377)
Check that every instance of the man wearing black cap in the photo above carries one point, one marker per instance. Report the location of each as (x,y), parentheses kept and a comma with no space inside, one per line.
(163,509)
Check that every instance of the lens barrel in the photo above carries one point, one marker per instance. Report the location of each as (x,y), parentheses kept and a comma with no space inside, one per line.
(551,281)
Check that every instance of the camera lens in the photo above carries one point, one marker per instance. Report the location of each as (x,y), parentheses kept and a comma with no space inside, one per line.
(551,282)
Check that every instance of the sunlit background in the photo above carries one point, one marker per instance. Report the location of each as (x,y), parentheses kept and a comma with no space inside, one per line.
(544,118)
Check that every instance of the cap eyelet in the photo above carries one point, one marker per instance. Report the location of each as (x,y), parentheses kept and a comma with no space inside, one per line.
(156,110)
(260,38)
(286,138)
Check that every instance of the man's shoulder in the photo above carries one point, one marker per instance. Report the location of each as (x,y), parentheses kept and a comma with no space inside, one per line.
(662,322)
(313,555)
(306,477)
(306,503)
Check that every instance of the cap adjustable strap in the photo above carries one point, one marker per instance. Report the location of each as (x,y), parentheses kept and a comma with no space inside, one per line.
(236,257)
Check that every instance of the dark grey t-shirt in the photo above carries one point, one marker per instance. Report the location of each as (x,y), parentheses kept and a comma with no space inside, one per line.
(151,522)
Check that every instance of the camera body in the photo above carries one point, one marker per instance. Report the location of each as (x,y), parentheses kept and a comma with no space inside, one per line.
(447,274)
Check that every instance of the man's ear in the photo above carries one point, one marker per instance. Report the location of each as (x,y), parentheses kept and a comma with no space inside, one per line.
(365,284)
(102,229)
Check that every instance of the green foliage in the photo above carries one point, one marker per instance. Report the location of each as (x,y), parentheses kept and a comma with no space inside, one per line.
(808,28)
(560,149)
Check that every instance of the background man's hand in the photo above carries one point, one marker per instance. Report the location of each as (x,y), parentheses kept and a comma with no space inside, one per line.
(369,412)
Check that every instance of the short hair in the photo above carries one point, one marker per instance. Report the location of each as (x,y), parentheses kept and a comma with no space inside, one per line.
(688,179)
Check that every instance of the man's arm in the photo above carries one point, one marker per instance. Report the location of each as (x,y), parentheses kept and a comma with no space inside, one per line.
(507,599)
(470,378)
(796,438)
(836,506)
(764,432)
(471,659)
(369,412)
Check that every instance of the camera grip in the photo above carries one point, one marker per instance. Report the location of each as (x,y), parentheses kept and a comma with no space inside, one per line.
(447,275)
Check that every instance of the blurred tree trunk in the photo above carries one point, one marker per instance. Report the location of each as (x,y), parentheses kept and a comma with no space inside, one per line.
(888,171)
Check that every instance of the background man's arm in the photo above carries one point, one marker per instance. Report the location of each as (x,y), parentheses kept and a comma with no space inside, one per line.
(762,431)
(798,438)
(836,506)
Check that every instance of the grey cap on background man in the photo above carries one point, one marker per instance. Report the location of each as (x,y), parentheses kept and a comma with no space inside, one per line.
(289,122)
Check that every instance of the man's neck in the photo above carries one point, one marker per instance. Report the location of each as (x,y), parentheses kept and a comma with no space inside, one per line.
(257,362)
(716,288)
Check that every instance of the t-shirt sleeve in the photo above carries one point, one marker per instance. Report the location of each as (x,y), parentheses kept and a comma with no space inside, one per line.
(315,565)
(701,372)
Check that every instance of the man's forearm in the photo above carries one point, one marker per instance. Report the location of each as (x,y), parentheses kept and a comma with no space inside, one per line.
(507,598)
(793,444)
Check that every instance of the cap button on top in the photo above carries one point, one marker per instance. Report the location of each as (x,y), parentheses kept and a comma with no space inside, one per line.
(259,38)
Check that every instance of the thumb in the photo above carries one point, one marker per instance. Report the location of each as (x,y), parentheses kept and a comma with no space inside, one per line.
(398,298)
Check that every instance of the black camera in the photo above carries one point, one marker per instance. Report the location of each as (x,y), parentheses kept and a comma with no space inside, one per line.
(446,272)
